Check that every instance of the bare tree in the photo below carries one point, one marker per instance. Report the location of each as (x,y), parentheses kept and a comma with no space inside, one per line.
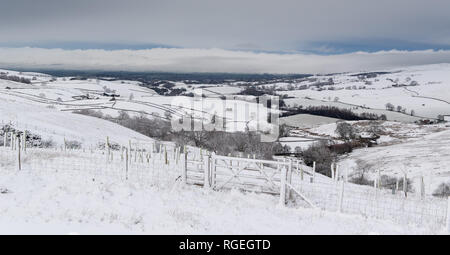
(345,131)
(390,107)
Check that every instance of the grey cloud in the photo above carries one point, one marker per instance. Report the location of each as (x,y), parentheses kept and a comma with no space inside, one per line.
(274,25)
(212,60)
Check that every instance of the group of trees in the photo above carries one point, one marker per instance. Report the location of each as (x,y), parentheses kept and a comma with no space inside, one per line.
(223,143)
(167,89)
(322,155)
(325,152)
(255,91)
(32,140)
(15,78)
(399,108)
(334,112)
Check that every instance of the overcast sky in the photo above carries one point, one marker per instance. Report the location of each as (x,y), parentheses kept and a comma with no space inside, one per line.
(323,27)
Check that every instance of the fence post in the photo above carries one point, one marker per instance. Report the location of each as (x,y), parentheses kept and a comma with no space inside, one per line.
(18,154)
(283,186)
(184,170)
(126,163)
(448,214)
(166,160)
(213,170)
(107,147)
(24,141)
(301,170)
(341,196)
(405,184)
(332,171)
(129,148)
(12,141)
(289,179)
(314,172)
(135,152)
(422,188)
(5,138)
(379,179)
(336,174)
(207,171)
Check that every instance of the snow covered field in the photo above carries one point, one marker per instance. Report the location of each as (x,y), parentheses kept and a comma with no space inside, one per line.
(306,120)
(64,95)
(427,156)
(425,90)
(81,192)
(57,125)
(69,202)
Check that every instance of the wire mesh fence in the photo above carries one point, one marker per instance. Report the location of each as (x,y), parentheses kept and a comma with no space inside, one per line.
(142,167)
(376,203)
(162,164)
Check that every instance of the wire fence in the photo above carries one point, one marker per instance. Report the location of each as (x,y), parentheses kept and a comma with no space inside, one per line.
(376,203)
(144,168)
(162,164)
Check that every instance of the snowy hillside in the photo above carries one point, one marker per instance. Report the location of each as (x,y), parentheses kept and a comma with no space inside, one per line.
(56,125)
(427,157)
(424,90)
(70,94)
(86,192)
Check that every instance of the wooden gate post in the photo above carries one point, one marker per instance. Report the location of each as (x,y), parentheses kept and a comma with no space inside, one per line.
(283,186)
(206,171)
